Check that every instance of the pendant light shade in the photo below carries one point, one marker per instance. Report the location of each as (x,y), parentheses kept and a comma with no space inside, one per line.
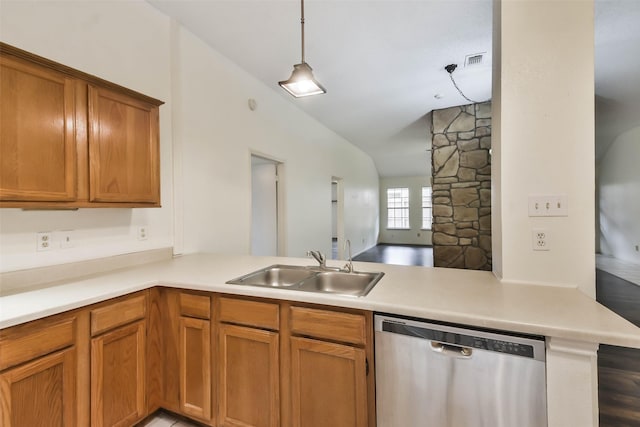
(302,83)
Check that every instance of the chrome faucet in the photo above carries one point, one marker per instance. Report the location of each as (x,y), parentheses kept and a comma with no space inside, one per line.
(318,256)
(349,265)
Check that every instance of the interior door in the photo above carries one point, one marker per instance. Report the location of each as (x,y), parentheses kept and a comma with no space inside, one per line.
(264,207)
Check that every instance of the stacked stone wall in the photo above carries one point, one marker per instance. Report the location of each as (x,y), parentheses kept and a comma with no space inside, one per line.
(461,168)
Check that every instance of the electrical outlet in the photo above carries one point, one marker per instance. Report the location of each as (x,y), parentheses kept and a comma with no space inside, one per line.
(142,233)
(540,239)
(44,241)
(67,239)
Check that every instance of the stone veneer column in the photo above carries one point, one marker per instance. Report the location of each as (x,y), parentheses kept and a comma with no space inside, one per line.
(461,168)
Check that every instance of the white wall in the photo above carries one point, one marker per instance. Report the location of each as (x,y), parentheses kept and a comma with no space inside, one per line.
(619,190)
(123,42)
(207,132)
(208,129)
(415,235)
(543,139)
(217,132)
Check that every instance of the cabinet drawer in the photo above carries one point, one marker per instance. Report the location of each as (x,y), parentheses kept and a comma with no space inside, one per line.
(27,342)
(118,313)
(198,306)
(333,325)
(250,313)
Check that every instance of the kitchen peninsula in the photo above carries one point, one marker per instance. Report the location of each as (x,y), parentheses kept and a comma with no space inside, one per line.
(572,323)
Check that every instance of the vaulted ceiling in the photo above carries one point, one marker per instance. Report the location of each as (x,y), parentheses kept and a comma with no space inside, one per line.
(382,61)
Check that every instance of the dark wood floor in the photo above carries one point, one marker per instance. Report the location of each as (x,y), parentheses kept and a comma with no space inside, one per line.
(618,367)
(398,254)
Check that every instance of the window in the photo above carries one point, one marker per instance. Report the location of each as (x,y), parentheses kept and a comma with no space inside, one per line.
(426,208)
(397,208)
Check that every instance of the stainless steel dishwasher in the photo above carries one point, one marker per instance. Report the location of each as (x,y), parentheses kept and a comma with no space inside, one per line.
(446,376)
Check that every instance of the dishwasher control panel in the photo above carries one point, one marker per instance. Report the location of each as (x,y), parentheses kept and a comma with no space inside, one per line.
(514,345)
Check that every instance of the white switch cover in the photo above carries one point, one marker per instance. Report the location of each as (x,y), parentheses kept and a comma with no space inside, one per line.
(548,205)
(67,239)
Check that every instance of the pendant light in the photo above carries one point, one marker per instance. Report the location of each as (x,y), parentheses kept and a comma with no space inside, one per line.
(302,83)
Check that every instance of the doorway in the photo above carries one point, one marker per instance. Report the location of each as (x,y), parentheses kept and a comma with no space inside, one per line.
(337,218)
(266,207)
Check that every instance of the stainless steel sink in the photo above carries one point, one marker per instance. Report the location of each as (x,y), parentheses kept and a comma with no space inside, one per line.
(334,282)
(275,276)
(311,279)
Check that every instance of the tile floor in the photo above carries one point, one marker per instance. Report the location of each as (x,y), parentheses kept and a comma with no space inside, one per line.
(163,419)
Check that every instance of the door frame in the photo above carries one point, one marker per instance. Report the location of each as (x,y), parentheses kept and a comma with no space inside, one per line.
(281,246)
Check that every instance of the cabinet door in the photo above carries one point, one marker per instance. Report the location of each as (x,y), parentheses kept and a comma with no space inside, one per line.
(42,392)
(37,133)
(195,367)
(328,384)
(123,148)
(249,377)
(118,376)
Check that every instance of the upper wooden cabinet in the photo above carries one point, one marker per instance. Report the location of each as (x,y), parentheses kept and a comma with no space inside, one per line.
(123,148)
(37,133)
(72,140)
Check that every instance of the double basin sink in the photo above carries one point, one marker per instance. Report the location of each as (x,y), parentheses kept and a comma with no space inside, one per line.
(311,279)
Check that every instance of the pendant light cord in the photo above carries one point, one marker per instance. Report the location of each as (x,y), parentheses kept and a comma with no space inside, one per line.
(463,95)
(302,26)
(450,69)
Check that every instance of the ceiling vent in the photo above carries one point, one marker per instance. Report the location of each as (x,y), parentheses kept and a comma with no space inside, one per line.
(474,60)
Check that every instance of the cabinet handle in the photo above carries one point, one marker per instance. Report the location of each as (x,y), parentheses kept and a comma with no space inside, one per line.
(366,366)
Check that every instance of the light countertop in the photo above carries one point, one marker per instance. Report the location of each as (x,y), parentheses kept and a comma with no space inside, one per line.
(474,298)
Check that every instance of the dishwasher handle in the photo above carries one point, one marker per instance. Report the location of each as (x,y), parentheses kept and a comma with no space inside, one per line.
(452,350)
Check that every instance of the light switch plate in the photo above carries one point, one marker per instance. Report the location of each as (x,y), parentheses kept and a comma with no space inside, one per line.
(548,205)
(67,239)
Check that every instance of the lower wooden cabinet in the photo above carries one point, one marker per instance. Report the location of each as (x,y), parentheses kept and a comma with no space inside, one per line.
(41,392)
(186,364)
(40,372)
(195,367)
(224,361)
(328,384)
(249,377)
(118,376)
